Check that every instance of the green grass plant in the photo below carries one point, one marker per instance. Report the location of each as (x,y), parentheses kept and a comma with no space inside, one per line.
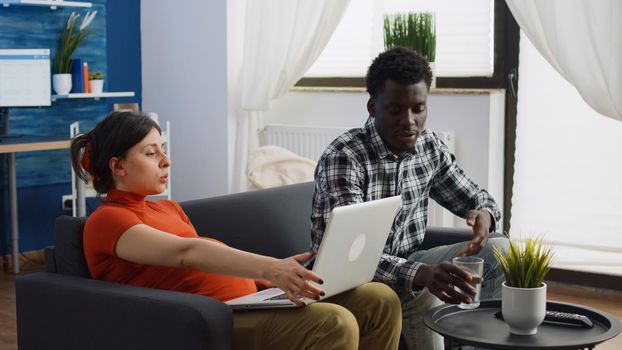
(71,37)
(525,265)
(413,30)
(96,75)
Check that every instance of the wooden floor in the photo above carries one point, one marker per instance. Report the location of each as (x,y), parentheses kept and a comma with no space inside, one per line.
(608,301)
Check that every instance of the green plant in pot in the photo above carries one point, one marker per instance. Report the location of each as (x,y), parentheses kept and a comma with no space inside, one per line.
(70,38)
(96,82)
(523,302)
(413,30)
(96,75)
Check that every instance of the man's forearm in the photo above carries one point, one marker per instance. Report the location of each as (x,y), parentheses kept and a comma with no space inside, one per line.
(399,273)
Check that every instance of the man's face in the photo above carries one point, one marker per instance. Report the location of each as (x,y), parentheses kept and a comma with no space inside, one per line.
(399,114)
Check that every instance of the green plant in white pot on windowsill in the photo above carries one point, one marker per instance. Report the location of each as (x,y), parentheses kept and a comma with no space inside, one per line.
(96,82)
(413,30)
(523,301)
(70,38)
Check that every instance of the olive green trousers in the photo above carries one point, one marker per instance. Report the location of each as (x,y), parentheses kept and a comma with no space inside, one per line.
(367,317)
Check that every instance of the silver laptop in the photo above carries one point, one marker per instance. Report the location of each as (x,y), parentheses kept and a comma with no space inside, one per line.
(348,254)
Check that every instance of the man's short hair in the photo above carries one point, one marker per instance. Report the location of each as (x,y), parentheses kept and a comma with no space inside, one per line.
(399,64)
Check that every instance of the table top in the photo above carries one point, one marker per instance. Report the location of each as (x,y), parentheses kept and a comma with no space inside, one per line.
(27,143)
(479,327)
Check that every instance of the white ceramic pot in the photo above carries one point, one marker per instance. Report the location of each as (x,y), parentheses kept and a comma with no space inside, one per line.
(523,309)
(97,86)
(61,83)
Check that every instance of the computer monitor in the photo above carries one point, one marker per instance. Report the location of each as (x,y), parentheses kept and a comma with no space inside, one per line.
(25,78)
(24,81)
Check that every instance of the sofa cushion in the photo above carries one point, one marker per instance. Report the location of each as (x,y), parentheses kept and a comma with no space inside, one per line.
(274,222)
(68,252)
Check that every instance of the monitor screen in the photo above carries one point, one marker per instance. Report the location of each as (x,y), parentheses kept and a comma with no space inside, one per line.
(25,78)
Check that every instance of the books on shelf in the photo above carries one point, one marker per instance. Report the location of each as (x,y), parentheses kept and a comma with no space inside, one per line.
(87,85)
(79,76)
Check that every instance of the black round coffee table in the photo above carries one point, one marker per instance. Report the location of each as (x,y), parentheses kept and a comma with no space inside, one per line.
(479,327)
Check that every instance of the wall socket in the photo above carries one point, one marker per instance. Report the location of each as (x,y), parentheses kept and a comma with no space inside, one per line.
(67,203)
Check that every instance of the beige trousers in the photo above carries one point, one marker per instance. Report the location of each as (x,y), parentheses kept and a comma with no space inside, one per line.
(367,317)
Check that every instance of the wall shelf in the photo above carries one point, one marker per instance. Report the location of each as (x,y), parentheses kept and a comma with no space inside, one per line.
(95,96)
(51,3)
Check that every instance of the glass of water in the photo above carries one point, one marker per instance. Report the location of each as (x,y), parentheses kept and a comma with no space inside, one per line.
(474,265)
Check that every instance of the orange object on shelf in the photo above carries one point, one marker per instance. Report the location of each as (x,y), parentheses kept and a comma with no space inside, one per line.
(87,86)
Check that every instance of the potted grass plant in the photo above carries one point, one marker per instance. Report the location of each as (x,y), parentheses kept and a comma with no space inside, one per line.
(523,301)
(413,30)
(70,38)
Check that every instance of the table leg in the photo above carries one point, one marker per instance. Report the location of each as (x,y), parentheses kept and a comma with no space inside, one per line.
(13,212)
(80,198)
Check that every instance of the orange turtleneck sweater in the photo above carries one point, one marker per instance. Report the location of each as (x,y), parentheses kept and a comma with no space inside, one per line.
(122,210)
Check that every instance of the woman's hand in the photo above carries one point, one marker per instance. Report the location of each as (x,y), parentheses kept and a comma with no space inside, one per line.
(289,275)
(263,284)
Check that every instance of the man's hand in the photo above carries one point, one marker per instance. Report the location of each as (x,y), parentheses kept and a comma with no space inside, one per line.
(480,221)
(441,279)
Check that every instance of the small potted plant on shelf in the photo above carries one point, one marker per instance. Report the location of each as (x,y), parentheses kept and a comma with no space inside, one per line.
(96,82)
(413,30)
(523,301)
(71,37)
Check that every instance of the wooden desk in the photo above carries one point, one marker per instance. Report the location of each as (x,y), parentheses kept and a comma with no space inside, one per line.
(24,143)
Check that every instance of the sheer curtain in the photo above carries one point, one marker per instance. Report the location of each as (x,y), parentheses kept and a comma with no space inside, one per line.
(281,39)
(581,40)
(567,169)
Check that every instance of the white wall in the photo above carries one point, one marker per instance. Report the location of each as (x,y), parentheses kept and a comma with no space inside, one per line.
(477,119)
(184,80)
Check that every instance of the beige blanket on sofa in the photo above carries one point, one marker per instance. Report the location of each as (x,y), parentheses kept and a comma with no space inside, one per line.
(273,166)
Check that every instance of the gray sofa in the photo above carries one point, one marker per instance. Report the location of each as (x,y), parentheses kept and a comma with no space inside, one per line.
(63,308)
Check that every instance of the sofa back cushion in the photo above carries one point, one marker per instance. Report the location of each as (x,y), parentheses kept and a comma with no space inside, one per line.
(274,222)
(68,252)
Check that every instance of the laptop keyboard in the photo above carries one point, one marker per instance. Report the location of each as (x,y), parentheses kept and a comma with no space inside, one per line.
(278,297)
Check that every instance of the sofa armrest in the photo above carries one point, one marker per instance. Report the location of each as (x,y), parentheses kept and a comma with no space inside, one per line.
(57,311)
(50,259)
(437,236)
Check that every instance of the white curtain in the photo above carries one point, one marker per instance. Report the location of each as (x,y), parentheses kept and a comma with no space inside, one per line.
(581,39)
(281,39)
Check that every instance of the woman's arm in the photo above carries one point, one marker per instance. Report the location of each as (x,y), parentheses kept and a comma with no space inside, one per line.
(143,244)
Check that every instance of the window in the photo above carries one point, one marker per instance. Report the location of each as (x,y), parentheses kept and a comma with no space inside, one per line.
(567,171)
(465,37)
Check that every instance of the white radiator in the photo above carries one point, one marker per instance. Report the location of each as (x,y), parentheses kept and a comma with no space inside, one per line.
(310,142)
(306,141)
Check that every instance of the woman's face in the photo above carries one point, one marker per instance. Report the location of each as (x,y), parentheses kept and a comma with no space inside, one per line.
(144,169)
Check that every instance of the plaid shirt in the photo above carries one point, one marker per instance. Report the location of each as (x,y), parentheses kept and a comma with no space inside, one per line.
(358,167)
